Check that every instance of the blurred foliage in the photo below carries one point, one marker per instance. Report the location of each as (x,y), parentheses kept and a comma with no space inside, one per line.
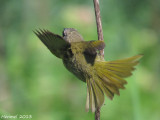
(34,82)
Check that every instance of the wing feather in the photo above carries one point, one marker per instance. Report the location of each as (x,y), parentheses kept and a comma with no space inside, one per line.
(55,43)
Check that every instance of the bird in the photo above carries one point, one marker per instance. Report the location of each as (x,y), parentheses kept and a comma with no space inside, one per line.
(82,58)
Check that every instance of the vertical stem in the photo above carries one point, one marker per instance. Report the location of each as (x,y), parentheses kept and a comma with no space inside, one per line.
(97,114)
(100,37)
(98,22)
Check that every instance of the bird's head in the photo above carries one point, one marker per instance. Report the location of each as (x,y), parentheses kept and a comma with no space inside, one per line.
(72,35)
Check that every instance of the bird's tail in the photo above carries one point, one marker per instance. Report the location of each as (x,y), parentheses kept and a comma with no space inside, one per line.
(108,79)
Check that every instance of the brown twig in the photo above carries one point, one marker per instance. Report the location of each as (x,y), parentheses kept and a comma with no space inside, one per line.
(100,37)
(98,22)
(97,114)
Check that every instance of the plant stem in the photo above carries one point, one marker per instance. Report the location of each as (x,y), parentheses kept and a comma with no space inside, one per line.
(100,37)
(98,22)
(97,114)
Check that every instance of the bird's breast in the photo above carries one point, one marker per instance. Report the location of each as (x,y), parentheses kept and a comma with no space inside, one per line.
(78,66)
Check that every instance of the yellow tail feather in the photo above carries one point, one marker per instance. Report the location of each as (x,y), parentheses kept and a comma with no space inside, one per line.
(108,79)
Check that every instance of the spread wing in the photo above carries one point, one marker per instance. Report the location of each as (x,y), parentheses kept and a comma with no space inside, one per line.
(93,46)
(55,43)
(91,49)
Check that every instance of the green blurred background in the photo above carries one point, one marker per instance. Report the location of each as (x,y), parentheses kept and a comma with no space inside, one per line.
(34,82)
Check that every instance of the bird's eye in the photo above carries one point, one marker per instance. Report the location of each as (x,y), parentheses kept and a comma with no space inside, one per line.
(64,34)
